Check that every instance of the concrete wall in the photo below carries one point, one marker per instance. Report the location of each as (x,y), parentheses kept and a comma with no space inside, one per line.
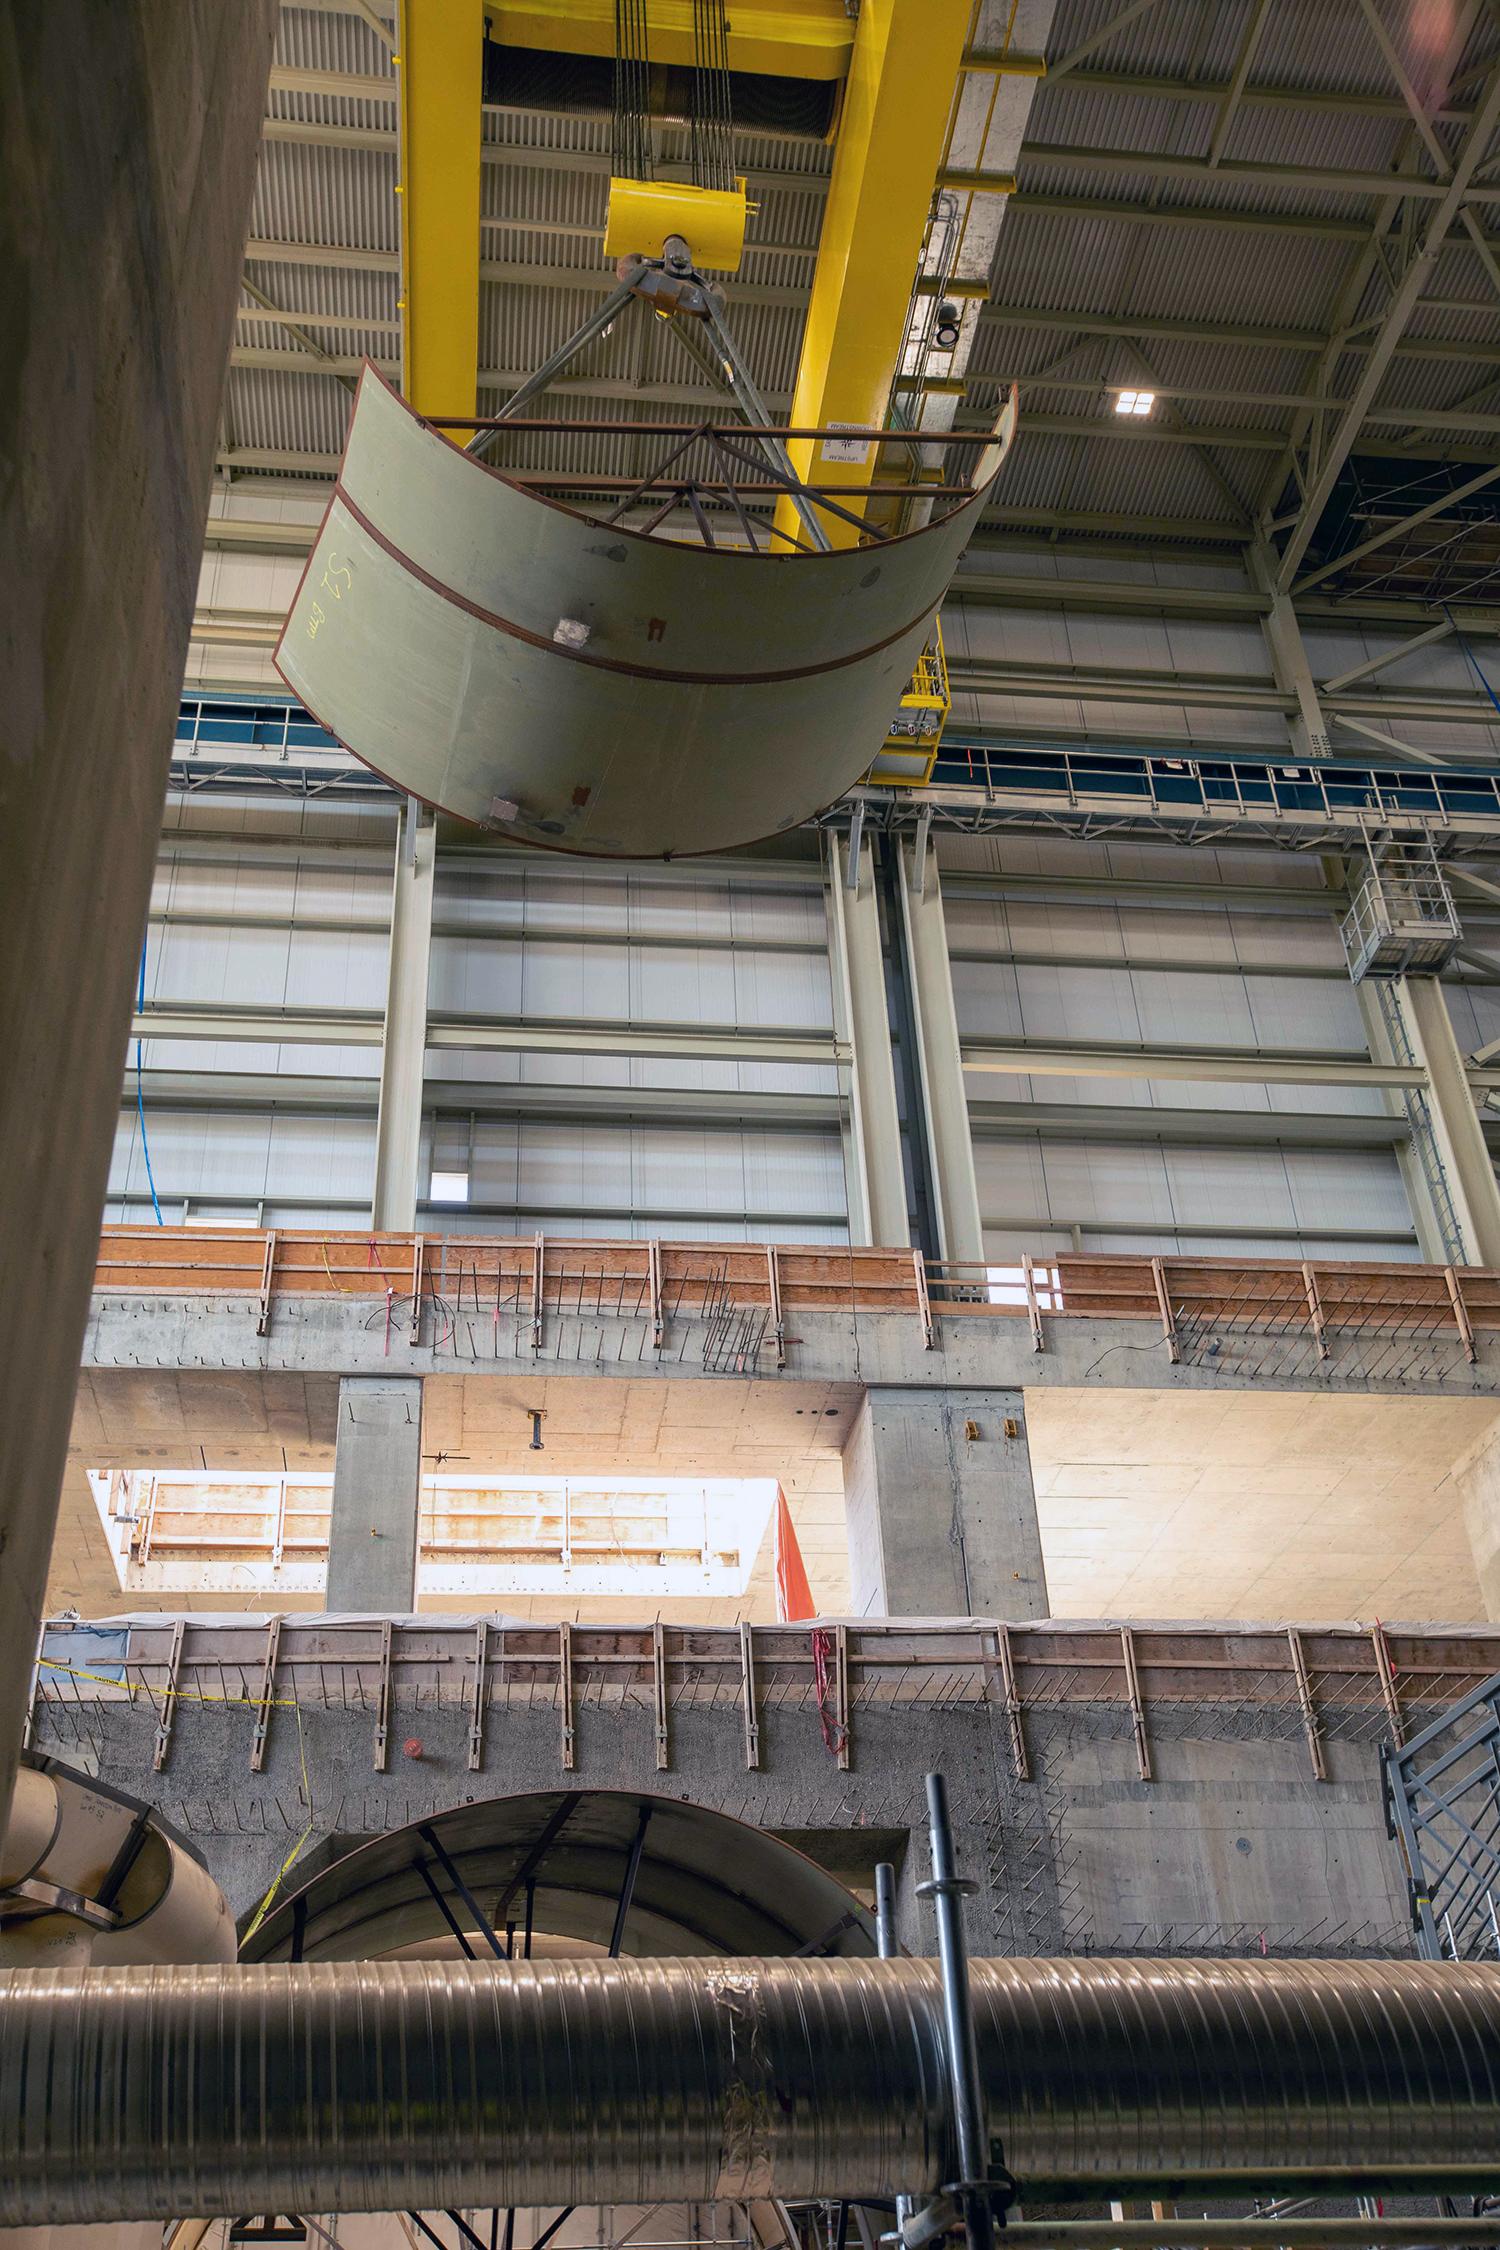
(1231,1848)
(128,138)
(1476,1474)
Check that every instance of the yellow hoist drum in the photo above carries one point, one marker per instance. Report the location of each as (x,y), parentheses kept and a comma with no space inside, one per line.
(711,221)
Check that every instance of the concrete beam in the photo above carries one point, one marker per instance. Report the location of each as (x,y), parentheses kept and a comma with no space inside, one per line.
(377,1470)
(197,1338)
(940,1507)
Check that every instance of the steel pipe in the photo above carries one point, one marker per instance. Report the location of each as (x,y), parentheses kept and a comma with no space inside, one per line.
(133,2094)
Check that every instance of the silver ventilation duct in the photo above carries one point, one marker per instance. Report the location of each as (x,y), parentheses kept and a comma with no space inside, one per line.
(397,2086)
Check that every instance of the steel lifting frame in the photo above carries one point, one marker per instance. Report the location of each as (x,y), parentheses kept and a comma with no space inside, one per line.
(1442,1804)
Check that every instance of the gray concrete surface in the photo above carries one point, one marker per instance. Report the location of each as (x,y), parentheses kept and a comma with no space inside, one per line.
(1233,1848)
(128,141)
(377,1472)
(940,1508)
(1476,1473)
(338,1336)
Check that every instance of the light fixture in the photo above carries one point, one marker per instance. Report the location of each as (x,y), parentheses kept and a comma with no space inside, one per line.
(449,1187)
(947,330)
(1134,402)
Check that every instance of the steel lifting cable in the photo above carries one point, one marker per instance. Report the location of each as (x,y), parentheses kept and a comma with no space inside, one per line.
(712,120)
(630,131)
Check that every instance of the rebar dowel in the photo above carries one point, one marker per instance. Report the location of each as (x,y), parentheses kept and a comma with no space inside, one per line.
(946,1888)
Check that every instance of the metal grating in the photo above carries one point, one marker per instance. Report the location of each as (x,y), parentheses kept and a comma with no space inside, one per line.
(1442,1794)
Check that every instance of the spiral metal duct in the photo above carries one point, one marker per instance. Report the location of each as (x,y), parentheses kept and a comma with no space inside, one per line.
(396,2086)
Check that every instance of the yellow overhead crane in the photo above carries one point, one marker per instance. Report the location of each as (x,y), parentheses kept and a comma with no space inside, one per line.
(901,60)
(778,38)
(439,62)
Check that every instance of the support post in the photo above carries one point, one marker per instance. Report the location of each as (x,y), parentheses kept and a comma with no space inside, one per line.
(398,1129)
(939,1507)
(874,1173)
(940,1070)
(1457,1134)
(377,1465)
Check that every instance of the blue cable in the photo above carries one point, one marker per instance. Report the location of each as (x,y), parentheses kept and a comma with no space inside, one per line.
(1473,659)
(140,1090)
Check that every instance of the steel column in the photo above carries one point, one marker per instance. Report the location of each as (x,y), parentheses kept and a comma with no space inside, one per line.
(876,1178)
(398,1130)
(939,1060)
(1456,1130)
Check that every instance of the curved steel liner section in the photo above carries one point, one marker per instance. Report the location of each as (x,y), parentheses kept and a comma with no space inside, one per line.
(704,1883)
(411,2086)
(565,683)
(126,1888)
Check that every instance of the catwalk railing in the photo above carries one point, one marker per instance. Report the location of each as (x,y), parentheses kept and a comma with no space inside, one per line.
(1329,1683)
(459,1292)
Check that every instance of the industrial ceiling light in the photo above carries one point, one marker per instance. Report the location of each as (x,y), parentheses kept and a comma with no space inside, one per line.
(1134,402)
(946,333)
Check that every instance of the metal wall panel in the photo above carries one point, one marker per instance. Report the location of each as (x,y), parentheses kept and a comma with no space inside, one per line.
(296,917)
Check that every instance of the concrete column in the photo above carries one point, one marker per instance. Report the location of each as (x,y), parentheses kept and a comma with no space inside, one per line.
(125,178)
(1458,1143)
(940,1070)
(398,1130)
(939,1507)
(377,1470)
(1476,1479)
(876,1179)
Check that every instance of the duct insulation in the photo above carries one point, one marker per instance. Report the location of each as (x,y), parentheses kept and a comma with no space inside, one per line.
(382,2086)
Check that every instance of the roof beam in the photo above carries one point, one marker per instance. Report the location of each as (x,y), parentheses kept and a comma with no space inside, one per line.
(1096,39)
(1127,326)
(1234,92)
(1258,175)
(1399,528)
(1029,199)
(1263,96)
(440,78)
(897,104)
(1402,303)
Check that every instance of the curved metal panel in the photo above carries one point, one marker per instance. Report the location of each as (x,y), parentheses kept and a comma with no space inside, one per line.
(389,2086)
(705,1883)
(514,663)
